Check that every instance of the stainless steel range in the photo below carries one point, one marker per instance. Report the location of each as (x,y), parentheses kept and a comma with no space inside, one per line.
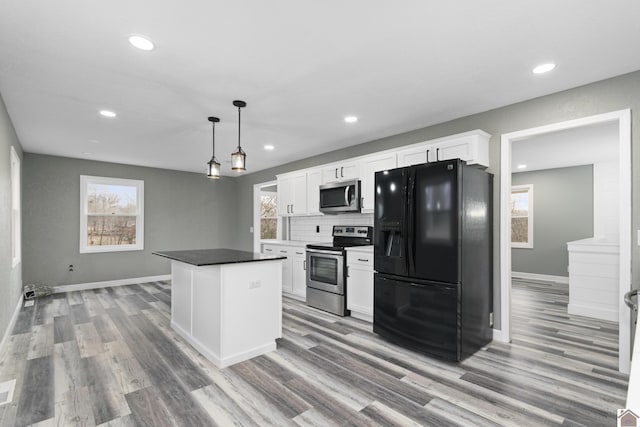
(326,268)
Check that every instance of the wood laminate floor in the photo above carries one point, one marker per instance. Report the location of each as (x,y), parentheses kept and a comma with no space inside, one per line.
(108,357)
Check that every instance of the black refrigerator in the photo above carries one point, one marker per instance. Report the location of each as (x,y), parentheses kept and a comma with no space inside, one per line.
(433,258)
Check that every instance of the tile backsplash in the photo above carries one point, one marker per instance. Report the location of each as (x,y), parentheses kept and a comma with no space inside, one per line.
(304,227)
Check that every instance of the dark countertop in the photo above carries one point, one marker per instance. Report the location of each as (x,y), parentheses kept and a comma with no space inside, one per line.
(200,257)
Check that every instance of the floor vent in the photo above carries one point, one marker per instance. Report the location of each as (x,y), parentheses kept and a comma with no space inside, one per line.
(6,391)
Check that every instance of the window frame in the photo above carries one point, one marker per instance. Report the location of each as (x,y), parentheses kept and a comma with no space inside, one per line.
(85,181)
(276,217)
(529,190)
(16,211)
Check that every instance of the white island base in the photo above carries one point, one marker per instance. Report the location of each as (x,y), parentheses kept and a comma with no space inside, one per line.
(228,312)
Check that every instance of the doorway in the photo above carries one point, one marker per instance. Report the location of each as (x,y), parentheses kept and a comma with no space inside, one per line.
(623,120)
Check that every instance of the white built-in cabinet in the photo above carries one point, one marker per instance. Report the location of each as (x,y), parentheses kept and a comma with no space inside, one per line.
(472,147)
(294,278)
(298,191)
(360,282)
(292,194)
(342,171)
(369,166)
(314,179)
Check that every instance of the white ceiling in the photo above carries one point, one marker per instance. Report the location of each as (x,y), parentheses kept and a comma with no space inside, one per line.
(300,65)
(584,145)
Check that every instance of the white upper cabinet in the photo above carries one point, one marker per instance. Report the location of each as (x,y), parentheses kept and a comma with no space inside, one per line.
(298,191)
(292,194)
(369,166)
(314,179)
(414,156)
(472,147)
(343,171)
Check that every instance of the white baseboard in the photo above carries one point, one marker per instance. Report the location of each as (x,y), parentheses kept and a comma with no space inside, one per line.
(593,312)
(109,283)
(498,336)
(12,322)
(546,277)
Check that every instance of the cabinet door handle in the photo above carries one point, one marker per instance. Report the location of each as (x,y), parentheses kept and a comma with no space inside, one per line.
(268,250)
(336,173)
(300,253)
(437,154)
(287,208)
(283,252)
(291,208)
(428,156)
(363,260)
(361,202)
(304,264)
(348,271)
(341,172)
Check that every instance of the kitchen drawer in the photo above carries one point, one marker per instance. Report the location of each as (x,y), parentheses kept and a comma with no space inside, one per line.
(278,250)
(360,259)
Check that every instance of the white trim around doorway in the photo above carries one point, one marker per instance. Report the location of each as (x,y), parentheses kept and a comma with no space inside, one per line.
(623,117)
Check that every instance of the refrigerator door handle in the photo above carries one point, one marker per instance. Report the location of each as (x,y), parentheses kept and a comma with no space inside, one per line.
(410,227)
(390,244)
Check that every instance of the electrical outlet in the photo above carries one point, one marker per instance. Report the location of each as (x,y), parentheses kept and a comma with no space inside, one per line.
(250,229)
(255,284)
(70,267)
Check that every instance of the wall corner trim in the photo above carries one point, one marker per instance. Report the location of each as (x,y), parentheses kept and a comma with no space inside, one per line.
(109,283)
(499,336)
(12,323)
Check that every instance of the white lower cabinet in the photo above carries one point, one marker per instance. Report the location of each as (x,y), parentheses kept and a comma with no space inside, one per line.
(360,282)
(294,278)
(299,274)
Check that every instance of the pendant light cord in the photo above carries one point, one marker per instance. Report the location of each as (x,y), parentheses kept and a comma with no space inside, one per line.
(213,139)
(239,148)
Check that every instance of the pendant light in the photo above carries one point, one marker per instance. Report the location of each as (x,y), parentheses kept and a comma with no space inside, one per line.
(238,157)
(213,166)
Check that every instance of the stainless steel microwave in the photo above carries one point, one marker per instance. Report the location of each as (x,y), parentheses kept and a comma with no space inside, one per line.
(340,197)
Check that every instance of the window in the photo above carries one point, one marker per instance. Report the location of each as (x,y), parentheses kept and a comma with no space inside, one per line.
(111,214)
(16,227)
(522,216)
(268,215)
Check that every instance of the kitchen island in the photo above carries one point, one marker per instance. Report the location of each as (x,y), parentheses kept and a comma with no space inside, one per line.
(226,303)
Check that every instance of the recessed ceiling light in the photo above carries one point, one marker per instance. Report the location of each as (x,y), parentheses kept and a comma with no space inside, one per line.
(94,141)
(269,147)
(351,119)
(107,113)
(141,43)
(522,166)
(544,68)
(86,153)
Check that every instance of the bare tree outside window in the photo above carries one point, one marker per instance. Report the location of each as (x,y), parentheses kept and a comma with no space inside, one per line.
(268,215)
(522,216)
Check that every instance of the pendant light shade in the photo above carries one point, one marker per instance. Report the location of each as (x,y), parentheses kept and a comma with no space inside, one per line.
(238,157)
(213,166)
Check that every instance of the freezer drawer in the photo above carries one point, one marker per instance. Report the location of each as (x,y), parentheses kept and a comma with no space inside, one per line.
(424,317)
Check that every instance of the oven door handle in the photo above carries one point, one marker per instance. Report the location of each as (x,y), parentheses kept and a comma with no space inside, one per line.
(318,251)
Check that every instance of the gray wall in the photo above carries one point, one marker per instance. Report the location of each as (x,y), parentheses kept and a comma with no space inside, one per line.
(10,278)
(562,212)
(608,95)
(182,210)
